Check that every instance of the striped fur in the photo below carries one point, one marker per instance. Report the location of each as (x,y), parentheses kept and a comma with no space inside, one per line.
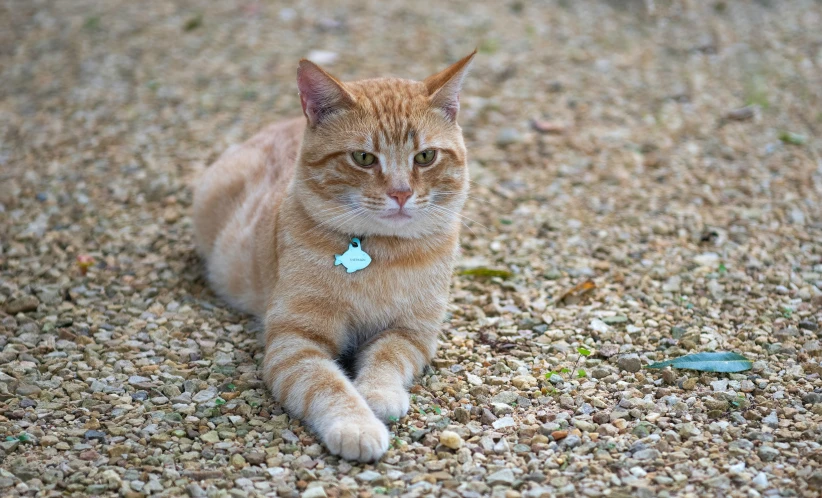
(271,213)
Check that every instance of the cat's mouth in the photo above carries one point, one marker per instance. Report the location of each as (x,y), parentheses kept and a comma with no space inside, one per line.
(399,216)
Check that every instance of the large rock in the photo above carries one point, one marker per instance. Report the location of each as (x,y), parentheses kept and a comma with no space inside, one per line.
(22,305)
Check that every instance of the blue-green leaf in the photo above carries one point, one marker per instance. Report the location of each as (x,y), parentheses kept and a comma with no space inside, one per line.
(708,362)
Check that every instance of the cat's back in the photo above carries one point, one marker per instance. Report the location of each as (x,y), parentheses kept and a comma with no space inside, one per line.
(261,166)
(241,191)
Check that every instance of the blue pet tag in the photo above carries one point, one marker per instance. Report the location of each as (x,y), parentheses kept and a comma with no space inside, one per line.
(354,258)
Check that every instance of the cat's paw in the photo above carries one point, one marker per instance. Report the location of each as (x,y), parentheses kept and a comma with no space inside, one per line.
(357,438)
(388,403)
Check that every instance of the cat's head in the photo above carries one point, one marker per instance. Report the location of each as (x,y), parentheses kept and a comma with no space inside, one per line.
(383,156)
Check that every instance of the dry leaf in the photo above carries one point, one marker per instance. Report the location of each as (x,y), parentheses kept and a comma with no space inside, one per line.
(577,291)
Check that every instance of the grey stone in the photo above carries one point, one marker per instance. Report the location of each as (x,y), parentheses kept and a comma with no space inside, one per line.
(9,446)
(22,305)
(368,476)
(767,453)
(812,398)
(648,454)
(488,417)
(502,409)
(195,491)
(92,434)
(718,482)
(571,441)
(629,363)
(205,395)
(508,136)
(507,397)
(504,477)
(26,389)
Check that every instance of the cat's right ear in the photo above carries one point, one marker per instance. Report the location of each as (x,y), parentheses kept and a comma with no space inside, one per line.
(444,87)
(320,93)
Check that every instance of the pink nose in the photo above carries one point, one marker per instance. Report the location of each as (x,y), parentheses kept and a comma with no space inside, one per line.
(401,196)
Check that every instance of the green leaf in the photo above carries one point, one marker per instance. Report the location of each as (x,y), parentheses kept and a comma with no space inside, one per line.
(193,23)
(564,370)
(793,138)
(219,401)
(708,362)
(92,23)
(583,351)
(486,273)
(581,373)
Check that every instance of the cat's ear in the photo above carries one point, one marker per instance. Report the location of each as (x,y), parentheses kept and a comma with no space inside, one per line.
(320,93)
(444,87)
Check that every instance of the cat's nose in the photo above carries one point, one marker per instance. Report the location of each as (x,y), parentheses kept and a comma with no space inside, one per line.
(401,196)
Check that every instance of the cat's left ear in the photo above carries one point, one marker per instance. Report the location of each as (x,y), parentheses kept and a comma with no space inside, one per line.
(444,87)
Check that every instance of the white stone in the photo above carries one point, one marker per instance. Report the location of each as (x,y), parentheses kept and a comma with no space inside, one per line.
(314,492)
(599,326)
(638,472)
(504,422)
(709,259)
(474,380)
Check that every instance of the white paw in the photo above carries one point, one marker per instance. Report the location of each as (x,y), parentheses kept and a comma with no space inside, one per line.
(387,403)
(357,438)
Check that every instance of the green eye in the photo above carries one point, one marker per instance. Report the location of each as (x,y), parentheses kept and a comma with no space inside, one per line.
(364,159)
(425,157)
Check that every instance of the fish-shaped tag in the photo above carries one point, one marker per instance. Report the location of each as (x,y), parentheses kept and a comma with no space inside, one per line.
(354,258)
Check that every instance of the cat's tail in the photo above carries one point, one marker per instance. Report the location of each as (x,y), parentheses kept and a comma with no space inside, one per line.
(337,259)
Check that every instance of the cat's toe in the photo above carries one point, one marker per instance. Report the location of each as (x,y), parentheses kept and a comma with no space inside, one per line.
(362,440)
(387,404)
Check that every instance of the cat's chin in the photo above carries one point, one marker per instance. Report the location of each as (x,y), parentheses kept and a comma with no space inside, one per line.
(398,219)
(409,229)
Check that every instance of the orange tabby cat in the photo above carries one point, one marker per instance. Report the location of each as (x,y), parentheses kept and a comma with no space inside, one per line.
(382,160)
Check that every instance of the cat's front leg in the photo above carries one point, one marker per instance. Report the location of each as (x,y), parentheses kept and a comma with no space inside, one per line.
(388,364)
(301,372)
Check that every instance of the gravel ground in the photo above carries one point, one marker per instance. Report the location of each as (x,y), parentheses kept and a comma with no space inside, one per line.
(664,158)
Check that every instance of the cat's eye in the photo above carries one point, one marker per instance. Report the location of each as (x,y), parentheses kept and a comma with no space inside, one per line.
(364,159)
(425,157)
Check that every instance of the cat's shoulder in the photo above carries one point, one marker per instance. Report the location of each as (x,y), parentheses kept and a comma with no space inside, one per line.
(287,130)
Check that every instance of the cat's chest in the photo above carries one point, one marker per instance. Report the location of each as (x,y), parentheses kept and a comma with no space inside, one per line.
(384,289)
(386,293)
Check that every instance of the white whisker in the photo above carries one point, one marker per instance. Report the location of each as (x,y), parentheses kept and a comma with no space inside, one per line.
(458,214)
